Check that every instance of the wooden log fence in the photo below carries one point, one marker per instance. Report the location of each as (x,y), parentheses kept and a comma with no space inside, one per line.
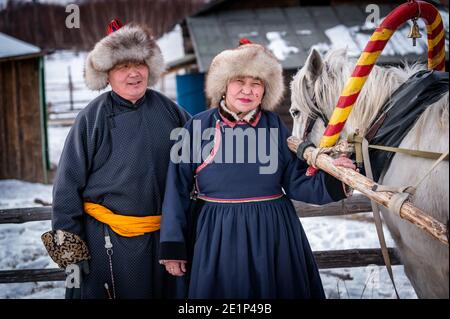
(353,205)
(325,259)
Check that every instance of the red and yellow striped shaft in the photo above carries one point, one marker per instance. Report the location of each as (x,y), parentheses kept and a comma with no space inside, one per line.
(370,54)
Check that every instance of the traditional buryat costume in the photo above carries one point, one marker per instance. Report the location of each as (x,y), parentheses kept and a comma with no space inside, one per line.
(111,176)
(249,241)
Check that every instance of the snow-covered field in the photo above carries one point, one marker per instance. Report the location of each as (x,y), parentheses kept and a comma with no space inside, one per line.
(20,244)
(21,247)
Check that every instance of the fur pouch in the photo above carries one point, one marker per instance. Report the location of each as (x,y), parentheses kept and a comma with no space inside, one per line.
(65,248)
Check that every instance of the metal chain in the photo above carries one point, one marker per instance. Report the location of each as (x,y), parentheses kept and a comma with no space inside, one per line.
(109,252)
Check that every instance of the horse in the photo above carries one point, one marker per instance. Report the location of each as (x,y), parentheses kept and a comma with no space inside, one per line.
(315,90)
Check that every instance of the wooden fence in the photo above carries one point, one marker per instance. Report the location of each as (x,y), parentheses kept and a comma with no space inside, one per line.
(325,259)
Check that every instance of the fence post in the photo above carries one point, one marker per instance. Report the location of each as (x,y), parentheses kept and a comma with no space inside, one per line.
(70,88)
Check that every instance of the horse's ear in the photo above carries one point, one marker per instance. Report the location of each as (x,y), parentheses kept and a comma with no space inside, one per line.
(314,65)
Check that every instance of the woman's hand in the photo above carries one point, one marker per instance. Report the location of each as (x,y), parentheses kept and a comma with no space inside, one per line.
(176,267)
(344,161)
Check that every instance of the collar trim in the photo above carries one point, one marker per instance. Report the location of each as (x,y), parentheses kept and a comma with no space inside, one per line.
(232,119)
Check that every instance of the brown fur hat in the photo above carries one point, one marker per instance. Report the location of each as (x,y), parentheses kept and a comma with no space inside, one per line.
(246,60)
(129,43)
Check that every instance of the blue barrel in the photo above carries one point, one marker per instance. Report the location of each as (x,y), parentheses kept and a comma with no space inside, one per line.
(191,92)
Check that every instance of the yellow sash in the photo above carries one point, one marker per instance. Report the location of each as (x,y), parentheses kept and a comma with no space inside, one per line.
(127,226)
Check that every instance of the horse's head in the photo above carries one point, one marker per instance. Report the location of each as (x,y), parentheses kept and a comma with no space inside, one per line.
(315,90)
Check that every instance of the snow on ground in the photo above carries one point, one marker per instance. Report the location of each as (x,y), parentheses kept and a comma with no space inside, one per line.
(333,233)
(21,248)
(56,136)
(20,244)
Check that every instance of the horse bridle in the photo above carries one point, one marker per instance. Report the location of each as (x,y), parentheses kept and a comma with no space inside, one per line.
(312,118)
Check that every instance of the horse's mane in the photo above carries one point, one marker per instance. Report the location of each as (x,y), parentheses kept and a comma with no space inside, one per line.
(336,70)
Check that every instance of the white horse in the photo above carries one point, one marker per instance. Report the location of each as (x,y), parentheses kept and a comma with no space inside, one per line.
(315,90)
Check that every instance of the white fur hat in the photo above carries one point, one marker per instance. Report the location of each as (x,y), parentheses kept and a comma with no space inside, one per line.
(246,60)
(129,43)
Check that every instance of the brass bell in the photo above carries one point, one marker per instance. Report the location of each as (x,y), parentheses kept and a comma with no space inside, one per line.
(414,33)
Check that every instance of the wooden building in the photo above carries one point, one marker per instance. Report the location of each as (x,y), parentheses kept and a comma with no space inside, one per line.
(23,137)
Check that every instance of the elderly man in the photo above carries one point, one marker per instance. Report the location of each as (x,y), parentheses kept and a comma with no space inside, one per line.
(110,181)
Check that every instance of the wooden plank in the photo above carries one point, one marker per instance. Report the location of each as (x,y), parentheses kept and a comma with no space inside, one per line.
(31,275)
(3,106)
(24,215)
(5,109)
(353,258)
(353,205)
(11,120)
(15,134)
(325,260)
(25,121)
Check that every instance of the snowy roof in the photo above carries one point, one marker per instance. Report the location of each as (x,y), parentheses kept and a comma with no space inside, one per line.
(12,47)
(291,32)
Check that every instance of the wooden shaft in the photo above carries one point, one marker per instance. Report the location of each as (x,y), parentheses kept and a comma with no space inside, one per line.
(365,185)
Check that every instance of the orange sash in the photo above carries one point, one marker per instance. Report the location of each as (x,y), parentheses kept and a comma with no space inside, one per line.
(127,226)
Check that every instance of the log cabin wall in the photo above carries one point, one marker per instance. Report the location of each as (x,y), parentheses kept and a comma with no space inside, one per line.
(44,24)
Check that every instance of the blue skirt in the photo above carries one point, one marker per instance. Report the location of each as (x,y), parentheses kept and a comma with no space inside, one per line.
(252,250)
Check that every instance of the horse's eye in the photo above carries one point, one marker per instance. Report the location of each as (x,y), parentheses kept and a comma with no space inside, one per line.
(295,113)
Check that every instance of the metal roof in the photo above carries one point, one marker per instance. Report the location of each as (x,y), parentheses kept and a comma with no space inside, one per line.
(12,47)
(291,32)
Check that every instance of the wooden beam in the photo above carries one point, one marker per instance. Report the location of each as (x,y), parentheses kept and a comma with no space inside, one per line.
(182,63)
(24,215)
(31,275)
(365,185)
(353,258)
(3,120)
(353,205)
(325,260)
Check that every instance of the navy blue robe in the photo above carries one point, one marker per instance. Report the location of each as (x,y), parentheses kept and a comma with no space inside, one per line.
(117,155)
(249,241)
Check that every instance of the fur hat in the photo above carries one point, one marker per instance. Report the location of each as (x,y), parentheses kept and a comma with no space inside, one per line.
(249,59)
(128,43)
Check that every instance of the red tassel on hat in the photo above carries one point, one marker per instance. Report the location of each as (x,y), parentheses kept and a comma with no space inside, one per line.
(243,41)
(114,25)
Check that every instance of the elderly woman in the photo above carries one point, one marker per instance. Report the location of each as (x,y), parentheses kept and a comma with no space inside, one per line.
(111,176)
(249,242)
